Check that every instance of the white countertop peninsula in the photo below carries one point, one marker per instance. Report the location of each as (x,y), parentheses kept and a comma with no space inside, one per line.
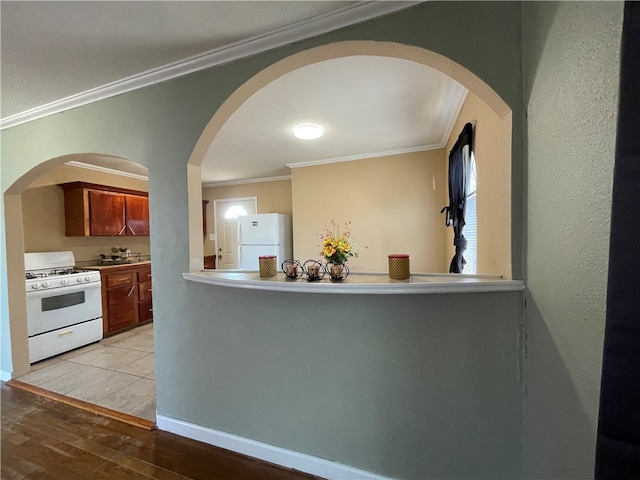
(359,283)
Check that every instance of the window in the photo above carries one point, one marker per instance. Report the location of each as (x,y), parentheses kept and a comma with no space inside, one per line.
(470,228)
(234,212)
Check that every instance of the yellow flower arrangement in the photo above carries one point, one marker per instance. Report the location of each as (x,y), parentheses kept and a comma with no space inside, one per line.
(337,244)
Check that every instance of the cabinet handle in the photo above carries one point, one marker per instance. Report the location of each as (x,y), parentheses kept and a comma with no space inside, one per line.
(65,333)
(149,290)
(122,230)
(151,309)
(129,226)
(131,291)
(149,275)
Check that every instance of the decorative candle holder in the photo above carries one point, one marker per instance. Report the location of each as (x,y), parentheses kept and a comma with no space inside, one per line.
(314,270)
(292,269)
(267,265)
(337,271)
(399,266)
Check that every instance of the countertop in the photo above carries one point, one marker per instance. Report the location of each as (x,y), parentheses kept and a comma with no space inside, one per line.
(360,283)
(116,265)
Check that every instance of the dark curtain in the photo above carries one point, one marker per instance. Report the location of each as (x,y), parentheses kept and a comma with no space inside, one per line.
(459,171)
(618,441)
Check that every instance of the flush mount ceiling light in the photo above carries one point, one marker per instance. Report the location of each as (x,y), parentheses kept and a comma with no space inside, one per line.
(308,131)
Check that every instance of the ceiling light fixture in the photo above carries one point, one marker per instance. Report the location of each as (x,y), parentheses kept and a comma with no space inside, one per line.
(308,131)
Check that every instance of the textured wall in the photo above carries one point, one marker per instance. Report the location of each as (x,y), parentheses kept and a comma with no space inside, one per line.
(494,201)
(393,202)
(409,386)
(571,72)
(273,197)
(460,415)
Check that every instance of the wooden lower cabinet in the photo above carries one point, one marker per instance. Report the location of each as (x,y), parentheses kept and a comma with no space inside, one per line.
(121,307)
(126,297)
(210,261)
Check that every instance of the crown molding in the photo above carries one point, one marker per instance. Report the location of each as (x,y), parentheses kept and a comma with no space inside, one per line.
(243,182)
(456,108)
(100,169)
(364,156)
(294,32)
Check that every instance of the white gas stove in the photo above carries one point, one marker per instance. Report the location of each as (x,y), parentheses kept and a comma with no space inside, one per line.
(64,305)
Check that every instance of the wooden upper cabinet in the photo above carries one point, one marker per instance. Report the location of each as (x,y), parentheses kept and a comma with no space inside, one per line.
(97,210)
(137,215)
(106,213)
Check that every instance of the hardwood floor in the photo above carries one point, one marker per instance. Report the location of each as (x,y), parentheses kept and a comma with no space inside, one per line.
(46,440)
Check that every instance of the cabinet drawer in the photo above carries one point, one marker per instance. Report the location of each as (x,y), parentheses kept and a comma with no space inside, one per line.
(116,279)
(62,340)
(144,290)
(144,274)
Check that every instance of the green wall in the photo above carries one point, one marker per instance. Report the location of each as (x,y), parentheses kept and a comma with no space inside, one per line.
(571,87)
(409,386)
(413,386)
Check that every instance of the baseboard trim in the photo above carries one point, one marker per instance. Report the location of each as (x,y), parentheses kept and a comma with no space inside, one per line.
(5,376)
(263,451)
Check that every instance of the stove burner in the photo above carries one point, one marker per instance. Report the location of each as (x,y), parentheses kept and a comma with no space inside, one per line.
(31,276)
(65,271)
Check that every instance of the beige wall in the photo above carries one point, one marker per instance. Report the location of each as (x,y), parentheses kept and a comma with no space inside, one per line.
(273,197)
(393,202)
(494,181)
(69,173)
(43,215)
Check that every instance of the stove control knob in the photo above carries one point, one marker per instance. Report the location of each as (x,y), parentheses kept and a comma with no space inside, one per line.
(87,278)
(64,281)
(35,286)
(45,284)
(79,279)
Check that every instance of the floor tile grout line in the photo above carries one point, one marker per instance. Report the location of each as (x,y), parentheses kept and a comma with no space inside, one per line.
(84,366)
(97,402)
(108,369)
(124,409)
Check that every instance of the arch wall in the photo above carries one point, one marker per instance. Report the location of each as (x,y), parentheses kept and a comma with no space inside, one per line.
(494,212)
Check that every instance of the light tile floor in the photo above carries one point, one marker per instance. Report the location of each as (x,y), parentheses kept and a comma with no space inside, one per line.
(117,372)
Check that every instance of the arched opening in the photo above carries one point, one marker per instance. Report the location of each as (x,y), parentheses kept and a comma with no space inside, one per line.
(35,211)
(494,211)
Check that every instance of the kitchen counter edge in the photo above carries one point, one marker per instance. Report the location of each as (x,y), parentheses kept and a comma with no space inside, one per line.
(358,284)
(120,265)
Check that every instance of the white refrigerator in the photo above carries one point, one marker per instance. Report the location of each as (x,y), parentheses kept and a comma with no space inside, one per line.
(264,234)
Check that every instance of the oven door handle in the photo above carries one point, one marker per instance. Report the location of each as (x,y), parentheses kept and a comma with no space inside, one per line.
(54,292)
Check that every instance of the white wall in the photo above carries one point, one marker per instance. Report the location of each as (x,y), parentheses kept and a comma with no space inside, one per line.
(571,83)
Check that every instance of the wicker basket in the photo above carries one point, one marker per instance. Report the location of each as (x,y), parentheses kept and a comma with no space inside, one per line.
(267,266)
(399,266)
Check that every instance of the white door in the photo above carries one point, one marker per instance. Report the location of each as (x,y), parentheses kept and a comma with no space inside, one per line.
(227,213)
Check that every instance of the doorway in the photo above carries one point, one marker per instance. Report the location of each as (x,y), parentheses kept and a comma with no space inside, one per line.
(117,372)
(226,215)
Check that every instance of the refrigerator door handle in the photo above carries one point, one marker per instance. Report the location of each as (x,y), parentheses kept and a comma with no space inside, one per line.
(240,260)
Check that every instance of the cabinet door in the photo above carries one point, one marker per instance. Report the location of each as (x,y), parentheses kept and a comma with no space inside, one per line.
(144,290)
(145,310)
(137,213)
(121,303)
(106,213)
(210,261)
